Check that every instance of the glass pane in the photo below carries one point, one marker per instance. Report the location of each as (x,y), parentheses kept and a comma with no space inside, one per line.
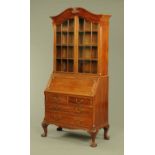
(71,38)
(86,67)
(94,38)
(81,24)
(70,52)
(87,53)
(65,26)
(81,38)
(84,52)
(70,65)
(64,65)
(64,38)
(58,52)
(87,25)
(58,28)
(94,27)
(71,25)
(80,52)
(94,67)
(94,53)
(80,66)
(58,39)
(58,65)
(64,52)
(87,40)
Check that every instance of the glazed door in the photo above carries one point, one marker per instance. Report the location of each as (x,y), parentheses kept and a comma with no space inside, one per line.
(64,46)
(76,46)
(87,46)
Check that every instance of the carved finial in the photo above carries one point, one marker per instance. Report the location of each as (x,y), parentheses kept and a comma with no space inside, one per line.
(75,10)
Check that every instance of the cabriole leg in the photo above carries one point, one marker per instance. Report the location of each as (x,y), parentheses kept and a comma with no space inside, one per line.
(106,129)
(93,137)
(59,128)
(44,125)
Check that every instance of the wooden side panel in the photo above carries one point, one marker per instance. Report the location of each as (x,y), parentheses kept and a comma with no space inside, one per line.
(105,103)
(101,103)
(104,45)
(54,48)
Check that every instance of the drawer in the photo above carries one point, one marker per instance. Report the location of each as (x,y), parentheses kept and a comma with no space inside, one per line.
(79,100)
(81,110)
(68,120)
(56,98)
(70,109)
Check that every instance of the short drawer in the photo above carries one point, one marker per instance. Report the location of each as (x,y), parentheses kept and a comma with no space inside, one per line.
(56,98)
(79,100)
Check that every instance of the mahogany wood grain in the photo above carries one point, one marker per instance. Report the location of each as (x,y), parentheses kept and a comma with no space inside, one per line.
(78,99)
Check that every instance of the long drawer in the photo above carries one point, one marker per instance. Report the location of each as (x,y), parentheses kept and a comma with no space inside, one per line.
(68,120)
(70,109)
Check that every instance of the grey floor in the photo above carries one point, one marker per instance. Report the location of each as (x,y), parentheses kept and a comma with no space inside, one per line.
(74,142)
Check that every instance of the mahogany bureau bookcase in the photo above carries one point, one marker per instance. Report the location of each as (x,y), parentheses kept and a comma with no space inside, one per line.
(76,96)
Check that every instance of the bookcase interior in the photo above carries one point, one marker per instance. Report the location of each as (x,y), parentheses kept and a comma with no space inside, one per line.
(87,46)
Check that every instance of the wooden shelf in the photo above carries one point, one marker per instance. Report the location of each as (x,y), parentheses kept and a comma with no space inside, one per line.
(95,31)
(64,45)
(66,58)
(82,45)
(87,59)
